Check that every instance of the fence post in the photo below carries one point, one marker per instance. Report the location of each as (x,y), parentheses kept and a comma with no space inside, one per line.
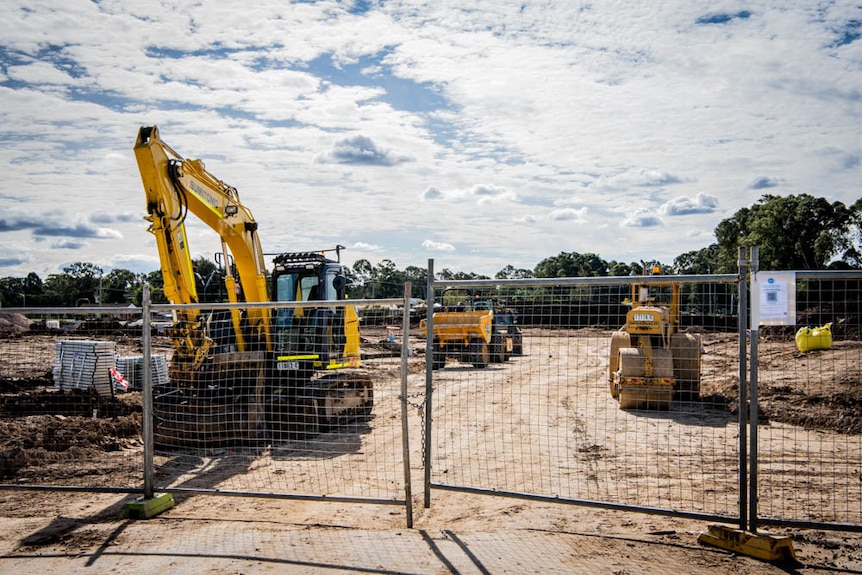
(429,378)
(742,327)
(753,409)
(405,442)
(147,420)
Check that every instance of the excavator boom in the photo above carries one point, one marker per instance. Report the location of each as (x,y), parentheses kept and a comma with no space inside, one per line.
(174,188)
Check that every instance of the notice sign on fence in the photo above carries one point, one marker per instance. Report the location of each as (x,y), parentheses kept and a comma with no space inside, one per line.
(774,295)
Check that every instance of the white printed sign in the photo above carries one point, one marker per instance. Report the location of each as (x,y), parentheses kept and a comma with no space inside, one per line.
(774,298)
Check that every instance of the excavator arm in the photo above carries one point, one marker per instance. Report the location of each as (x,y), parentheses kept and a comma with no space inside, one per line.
(174,188)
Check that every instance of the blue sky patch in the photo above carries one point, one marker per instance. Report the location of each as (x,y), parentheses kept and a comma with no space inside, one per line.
(851,32)
(400,93)
(361,7)
(723,18)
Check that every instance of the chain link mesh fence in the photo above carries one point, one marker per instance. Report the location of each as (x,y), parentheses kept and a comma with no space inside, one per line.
(66,420)
(321,420)
(544,420)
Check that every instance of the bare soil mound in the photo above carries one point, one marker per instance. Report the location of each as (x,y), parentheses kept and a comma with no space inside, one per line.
(13,323)
(40,428)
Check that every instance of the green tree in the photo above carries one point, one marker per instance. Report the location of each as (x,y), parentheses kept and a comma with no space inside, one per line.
(78,284)
(157,288)
(853,254)
(616,268)
(22,292)
(702,261)
(34,289)
(12,293)
(445,274)
(209,280)
(360,276)
(792,232)
(571,264)
(119,285)
(386,280)
(418,278)
(510,273)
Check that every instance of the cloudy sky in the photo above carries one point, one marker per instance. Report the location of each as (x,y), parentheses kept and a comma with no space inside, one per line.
(478,134)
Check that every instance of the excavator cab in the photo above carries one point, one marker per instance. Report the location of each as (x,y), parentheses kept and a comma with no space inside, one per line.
(317,337)
(311,340)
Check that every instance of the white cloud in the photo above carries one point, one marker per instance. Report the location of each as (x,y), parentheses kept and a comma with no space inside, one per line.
(642,218)
(639,178)
(438,246)
(67,244)
(366,247)
(569,214)
(39,73)
(764,182)
(683,205)
(362,150)
(489,193)
(482,193)
(526,219)
(431,193)
(108,233)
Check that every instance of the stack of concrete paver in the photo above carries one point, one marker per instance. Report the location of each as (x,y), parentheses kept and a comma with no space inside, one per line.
(132,368)
(84,364)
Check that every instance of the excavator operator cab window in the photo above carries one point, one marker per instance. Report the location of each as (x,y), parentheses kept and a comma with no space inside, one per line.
(294,287)
(310,327)
(308,286)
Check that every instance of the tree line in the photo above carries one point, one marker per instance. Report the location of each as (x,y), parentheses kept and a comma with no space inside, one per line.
(797,232)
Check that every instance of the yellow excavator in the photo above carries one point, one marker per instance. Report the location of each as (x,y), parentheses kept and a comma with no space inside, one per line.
(255,372)
(651,359)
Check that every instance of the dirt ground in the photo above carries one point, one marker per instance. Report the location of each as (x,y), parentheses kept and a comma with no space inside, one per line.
(461,533)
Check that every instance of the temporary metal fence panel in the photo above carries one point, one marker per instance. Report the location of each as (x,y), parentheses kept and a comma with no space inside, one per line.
(302,421)
(67,419)
(229,425)
(809,397)
(541,422)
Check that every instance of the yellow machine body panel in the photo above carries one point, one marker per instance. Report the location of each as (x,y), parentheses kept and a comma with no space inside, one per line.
(461,326)
(647,320)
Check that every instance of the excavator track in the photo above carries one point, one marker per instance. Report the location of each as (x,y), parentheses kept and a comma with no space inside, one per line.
(343,396)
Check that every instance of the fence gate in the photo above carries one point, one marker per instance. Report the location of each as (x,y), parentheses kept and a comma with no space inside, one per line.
(538,421)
